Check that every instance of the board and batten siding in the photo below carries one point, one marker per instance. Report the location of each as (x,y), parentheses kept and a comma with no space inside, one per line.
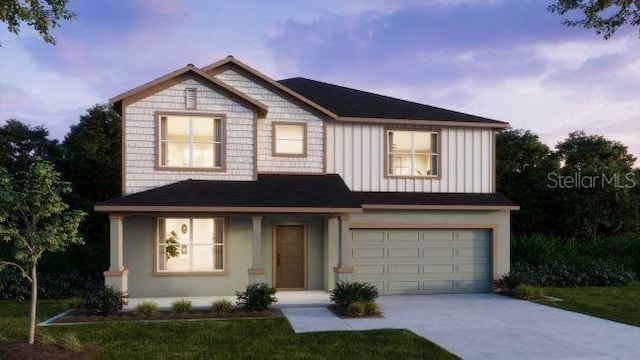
(140,146)
(356,151)
(280,109)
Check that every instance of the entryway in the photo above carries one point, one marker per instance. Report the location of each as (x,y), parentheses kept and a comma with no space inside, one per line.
(289,256)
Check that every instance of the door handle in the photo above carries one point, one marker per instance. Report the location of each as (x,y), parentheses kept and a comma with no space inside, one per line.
(278,259)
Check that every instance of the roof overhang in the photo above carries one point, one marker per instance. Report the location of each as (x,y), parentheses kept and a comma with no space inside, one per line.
(221,209)
(169,79)
(439,207)
(444,123)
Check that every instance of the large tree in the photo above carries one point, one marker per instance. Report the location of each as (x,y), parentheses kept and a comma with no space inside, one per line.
(605,16)
(20,144)
(523,163)
(33,220)
(42,15)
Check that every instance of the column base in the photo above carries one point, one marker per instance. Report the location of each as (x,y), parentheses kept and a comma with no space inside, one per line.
(117,279)
(256,275)
(342,273)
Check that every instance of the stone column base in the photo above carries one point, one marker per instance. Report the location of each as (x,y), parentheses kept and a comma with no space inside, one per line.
(117,279)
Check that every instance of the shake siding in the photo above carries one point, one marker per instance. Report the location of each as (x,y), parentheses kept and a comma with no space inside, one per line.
(280,109)
(356,152)
(141,145)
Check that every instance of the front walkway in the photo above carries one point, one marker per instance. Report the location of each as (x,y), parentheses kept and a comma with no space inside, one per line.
(488,326)
(285,298)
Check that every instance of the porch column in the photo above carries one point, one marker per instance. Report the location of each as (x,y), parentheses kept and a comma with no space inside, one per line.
(117,276)
(344,266)
(256,272)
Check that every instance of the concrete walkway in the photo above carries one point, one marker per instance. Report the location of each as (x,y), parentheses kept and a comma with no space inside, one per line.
(488,326)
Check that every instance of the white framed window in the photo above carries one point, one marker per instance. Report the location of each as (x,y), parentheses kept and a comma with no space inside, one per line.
(188,245)
(289,139)
(412,153)
(190,141)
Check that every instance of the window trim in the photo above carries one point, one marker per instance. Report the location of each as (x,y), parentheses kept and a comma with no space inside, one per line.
(225,245)
(274,124)
(385,169)
(157,148)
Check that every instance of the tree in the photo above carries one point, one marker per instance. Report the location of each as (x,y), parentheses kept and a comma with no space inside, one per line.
(596,197)
(20,144)
(522,165)
(42,15)
(34,220)
(605,16)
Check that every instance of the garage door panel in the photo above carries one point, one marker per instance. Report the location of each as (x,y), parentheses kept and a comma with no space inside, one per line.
(408,269)
(403,286)
(367,253)
(443,261)
(446,269)
(395,253)
(438,252)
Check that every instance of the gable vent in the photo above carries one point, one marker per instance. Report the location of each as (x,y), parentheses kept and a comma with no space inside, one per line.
(190,96)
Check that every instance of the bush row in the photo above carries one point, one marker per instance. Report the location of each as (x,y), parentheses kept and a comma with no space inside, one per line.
(13,286)
(560,274)
(539,250)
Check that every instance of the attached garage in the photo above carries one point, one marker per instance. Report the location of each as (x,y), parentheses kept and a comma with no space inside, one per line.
(423,261)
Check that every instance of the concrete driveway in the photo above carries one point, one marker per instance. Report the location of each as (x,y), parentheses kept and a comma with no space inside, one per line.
(488,326)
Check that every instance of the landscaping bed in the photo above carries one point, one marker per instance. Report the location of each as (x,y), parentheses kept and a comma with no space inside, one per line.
(342,311)
(85,316)
(24,351)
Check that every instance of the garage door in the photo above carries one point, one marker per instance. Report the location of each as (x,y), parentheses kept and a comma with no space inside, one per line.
(422,261)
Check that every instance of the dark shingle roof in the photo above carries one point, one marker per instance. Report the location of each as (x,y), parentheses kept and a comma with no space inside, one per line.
(444,199)
(308,191)
(346,102)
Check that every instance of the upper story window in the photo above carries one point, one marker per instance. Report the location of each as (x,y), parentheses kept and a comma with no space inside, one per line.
(191,141)
(412,153)
(289,139)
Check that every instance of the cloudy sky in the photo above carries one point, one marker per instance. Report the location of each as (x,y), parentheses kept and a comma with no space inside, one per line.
(509,60)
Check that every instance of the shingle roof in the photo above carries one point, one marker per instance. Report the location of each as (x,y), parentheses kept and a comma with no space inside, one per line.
(443,199)
(346,102)
(270,190)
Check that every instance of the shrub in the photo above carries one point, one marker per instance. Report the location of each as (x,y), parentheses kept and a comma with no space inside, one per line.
(182,306)
(256,297)
(222,306)
(75,302)
(356,308)
(13,286)
(346,293)
(146,308)
(47,339)
(70,342)
(371,308)
(526,292)
(105,301)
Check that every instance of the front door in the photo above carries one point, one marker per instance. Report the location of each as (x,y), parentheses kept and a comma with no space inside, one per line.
(289,256)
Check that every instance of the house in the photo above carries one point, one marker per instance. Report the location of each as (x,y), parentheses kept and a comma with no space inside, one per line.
(230,178)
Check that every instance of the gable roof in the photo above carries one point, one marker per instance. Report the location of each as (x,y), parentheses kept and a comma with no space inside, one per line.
(230,60)
(269,193)
(190,69)
(353,105)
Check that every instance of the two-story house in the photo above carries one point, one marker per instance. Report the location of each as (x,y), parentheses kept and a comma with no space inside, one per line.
(230,177)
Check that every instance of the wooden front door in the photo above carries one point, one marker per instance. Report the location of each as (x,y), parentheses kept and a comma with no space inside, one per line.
(289,256)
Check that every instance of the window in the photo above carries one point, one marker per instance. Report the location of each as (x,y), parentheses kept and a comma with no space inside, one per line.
(190,245)
(412,153)
(190,97)
(289,139)
(190,141)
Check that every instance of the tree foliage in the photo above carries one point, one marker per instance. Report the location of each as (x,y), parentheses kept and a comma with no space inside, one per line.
(605,16)
(20,144)
(42,15)
(34,219)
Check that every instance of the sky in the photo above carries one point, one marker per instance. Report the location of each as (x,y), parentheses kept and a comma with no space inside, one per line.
(508,60)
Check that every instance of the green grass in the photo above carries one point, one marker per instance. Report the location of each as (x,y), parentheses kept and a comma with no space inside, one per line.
(613,303)
(229,339)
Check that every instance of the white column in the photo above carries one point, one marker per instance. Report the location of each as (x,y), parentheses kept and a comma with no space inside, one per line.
(344,265)
(256,273)
(117,276)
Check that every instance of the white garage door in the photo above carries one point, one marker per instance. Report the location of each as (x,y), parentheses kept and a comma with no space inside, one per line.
(422,261)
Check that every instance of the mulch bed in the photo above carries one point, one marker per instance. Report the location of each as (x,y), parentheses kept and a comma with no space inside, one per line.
(24,351)
(83,316)
(341,312)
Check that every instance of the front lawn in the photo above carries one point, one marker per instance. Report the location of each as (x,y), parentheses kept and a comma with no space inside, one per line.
(619,303)
(226,339)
